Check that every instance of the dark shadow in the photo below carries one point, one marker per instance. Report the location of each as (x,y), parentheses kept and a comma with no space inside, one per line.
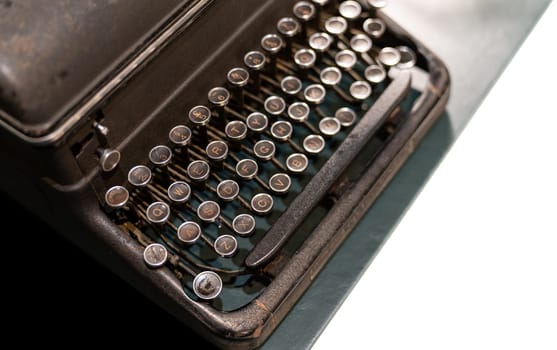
(59,294)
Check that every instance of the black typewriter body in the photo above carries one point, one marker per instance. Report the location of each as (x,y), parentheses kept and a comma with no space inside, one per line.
(214,154)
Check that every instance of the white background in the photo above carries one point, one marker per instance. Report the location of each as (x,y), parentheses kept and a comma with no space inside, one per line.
(473,263)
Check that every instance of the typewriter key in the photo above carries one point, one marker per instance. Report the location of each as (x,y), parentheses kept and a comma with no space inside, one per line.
(198,170)
(315,93)
(297,162)
(236,130)
(360,90)
(346,59)
(160,155)
(238,78)
(179,192)
(255,61)
(375,74)
(291,85)
(407,57)
(225,245)
(272,44)
(208,211)
(158,213)
(228,190)
(155,255)
(189,232)
(389,56)
(314,144)
(346,116)
(304,11)
(216,151)
(298,111)
(257,122)
(320,41)
(199,115)
(374,27)
(109,159)
(274,105)
(305,58)
(330,76)
(264,149)
(336,25)
(281,130)
(247,169)
(243,225)
(218,96)
(262,203)
(280,183)
(329,126)
(207,285)
(116,197)
(360,43)
(288,27)
(180,136)
(351,10)
(139,175)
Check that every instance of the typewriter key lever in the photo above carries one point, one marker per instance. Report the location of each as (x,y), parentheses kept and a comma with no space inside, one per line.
(317,187)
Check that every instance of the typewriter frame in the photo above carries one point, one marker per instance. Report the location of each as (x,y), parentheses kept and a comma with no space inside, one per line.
(76,213)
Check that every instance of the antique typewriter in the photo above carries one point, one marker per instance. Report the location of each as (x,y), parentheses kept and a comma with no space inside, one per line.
(213,153)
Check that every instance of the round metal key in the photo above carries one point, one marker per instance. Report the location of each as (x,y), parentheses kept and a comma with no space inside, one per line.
(218,96)
(207,285)
(257,122)
(297,162)
(243,225)
(199,170)
(247,169)
(314,144)
(226,245)
(346,116)
(179,192)
(158,213)
(189,232)
(208,211)
(264,149)
(199,115)
(298,111)
(160,155)
(360,90)
(139,175)
(180,135)
(228,190)
(116,197)
(262,203)
(280,183)
(155,255)
(375,74)
(329,126)
(291,85)
(374,27)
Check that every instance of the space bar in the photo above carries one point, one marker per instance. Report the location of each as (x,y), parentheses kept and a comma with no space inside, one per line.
(316,188)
